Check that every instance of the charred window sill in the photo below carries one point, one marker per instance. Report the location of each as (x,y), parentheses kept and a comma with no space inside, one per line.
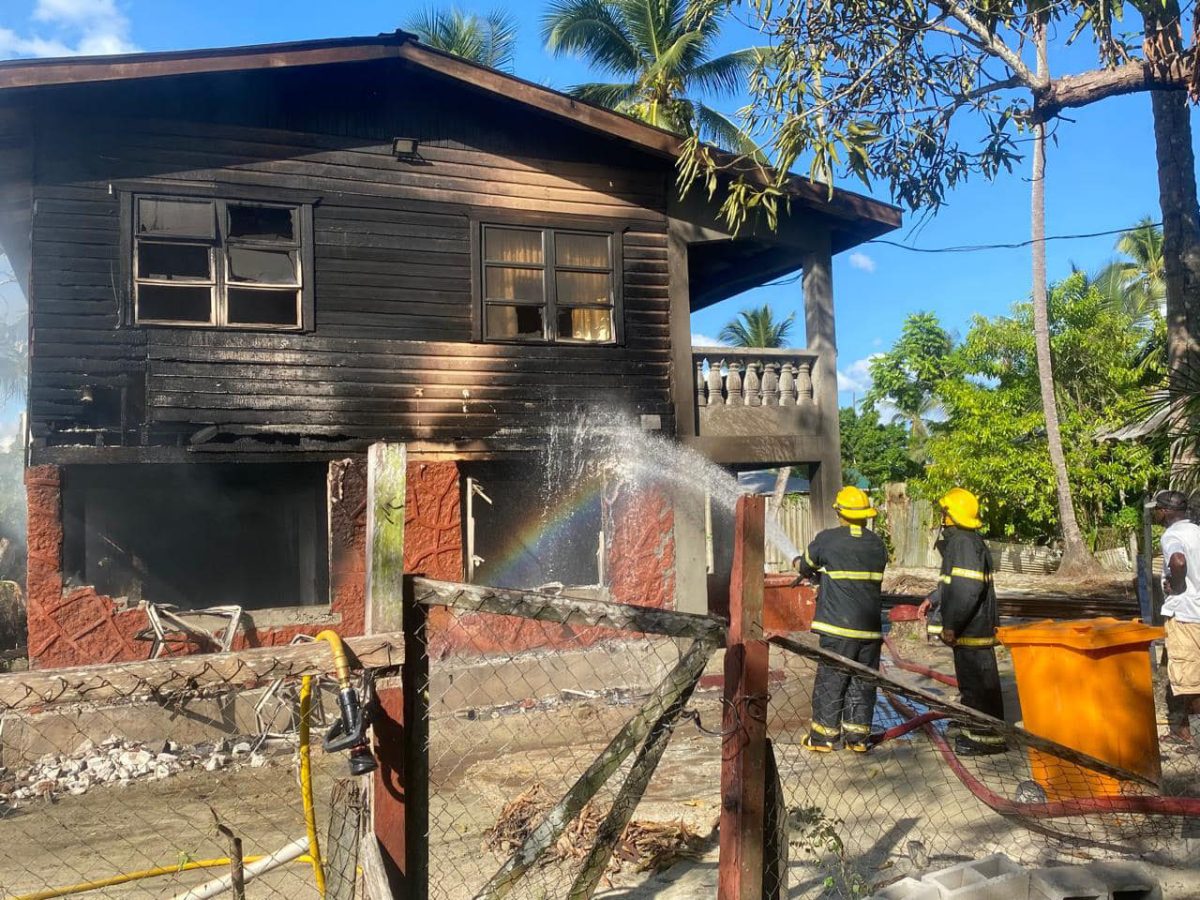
(278,616)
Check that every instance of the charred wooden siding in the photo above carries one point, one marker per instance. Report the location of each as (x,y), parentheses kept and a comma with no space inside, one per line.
(390,353)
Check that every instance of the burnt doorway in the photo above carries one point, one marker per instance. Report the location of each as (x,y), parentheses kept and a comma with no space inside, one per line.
(254,535)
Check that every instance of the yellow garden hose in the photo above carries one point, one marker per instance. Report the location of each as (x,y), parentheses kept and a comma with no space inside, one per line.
(341,665)
(126,877)
(306,788)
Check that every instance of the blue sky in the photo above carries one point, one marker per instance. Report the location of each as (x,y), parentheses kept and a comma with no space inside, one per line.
(1101,174)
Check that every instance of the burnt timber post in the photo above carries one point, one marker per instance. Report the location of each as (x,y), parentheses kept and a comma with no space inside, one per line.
(822,340)
(743,750)
(399,807)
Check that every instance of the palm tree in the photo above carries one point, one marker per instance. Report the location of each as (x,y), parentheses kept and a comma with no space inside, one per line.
(1076,559)
(757,327)
(488,40)
(662,60)
(1137,284)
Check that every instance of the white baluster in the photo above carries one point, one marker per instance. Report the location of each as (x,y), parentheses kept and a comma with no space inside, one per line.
(787,386)
(804,385)
(733,384)
(716,394)
(770,384)
(753,384)
(701,397)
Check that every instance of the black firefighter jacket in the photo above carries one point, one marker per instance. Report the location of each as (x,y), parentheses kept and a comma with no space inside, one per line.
(851,560)
(965,597)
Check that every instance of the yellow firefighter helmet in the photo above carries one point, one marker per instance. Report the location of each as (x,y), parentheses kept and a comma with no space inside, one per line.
(962,508)
(854,504)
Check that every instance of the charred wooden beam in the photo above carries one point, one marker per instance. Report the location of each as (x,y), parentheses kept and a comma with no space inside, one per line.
(566,610)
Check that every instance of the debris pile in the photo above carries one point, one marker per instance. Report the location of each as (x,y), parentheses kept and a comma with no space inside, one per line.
(120,762)
(648,846)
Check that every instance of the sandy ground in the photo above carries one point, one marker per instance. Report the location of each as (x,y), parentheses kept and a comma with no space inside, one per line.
(854,822)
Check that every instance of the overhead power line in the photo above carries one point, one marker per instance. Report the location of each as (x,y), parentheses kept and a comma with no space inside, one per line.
(975,248)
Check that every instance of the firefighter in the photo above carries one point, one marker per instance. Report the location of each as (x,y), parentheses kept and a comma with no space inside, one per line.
(962,612)
(850,560)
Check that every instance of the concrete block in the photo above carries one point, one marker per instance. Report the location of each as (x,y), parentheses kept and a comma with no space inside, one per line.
(908,889)
(1066,883)
(973,874)
(1126,880)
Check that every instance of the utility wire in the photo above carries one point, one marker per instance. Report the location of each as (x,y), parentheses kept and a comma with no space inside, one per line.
(975,248)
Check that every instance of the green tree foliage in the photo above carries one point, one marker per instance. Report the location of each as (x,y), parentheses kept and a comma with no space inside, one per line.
(908,375)
(489,40)
(872,450)
(662,62)
(993,438)
(1137,282)
(757,327)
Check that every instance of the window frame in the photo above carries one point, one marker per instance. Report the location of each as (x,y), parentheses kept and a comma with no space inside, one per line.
(550,304)
(219,280)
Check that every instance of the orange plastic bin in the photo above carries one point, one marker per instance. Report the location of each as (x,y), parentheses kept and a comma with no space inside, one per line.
(1087,684)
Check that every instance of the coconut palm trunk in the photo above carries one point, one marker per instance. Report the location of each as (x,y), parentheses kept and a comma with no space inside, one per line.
(1076,557)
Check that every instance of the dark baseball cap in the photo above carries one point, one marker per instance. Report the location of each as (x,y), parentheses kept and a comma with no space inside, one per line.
(1168,500)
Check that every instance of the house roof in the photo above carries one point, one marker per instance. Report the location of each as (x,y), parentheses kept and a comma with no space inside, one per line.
(862,216)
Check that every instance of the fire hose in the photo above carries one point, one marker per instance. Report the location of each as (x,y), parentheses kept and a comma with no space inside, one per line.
(348,733)
(1151,805)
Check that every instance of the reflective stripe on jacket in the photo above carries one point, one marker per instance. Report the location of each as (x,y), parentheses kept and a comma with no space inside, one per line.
(850,560)
(966,597)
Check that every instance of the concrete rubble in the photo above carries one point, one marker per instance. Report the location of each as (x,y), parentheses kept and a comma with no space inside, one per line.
(118,762)
(996,877)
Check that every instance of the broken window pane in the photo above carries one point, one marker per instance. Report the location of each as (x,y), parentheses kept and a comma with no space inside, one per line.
(252,307)
(262,223)
(512,245)
(585,324)
(177,218)
(515,284)
(586,250)
(584,287)
(171,262)
(262,266)
(515,322)
(173,303)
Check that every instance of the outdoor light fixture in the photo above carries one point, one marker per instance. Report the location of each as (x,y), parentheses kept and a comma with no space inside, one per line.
(404,148)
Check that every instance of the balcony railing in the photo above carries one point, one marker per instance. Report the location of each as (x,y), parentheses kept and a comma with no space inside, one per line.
(728,376)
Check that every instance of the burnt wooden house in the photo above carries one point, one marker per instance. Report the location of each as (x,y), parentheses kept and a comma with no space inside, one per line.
(246,265)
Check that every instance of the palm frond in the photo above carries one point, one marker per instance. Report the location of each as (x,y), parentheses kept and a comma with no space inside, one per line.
(489,41)
(592,29)
(718,129)
(501,39)
(757,327)
(613,96)
(728,74)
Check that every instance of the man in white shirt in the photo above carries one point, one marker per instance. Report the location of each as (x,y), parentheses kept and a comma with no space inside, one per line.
(1181,609)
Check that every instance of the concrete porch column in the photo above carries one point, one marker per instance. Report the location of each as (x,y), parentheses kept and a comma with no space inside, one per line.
(822,340)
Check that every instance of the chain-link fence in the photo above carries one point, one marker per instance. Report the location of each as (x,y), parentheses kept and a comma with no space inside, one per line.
(558,707)
(149,779)
(855,822)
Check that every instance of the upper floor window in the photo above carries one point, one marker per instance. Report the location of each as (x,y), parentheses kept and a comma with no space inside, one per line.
(549,284)
(220,263)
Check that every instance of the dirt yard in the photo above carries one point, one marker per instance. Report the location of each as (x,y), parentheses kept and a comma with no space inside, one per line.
(854,822)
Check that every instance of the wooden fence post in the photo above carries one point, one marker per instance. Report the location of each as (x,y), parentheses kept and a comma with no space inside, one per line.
(398,791)
(743,752)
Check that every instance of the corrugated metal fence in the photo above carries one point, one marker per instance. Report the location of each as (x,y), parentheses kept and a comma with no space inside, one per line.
(911,526)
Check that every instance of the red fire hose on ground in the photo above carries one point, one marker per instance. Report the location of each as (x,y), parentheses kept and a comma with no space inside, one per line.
(1152,806)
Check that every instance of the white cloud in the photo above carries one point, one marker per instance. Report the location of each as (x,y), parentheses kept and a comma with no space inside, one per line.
(703,340)
(70,28)
(856,377)
(861,261)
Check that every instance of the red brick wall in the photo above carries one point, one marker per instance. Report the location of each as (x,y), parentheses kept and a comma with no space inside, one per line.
(84,627)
